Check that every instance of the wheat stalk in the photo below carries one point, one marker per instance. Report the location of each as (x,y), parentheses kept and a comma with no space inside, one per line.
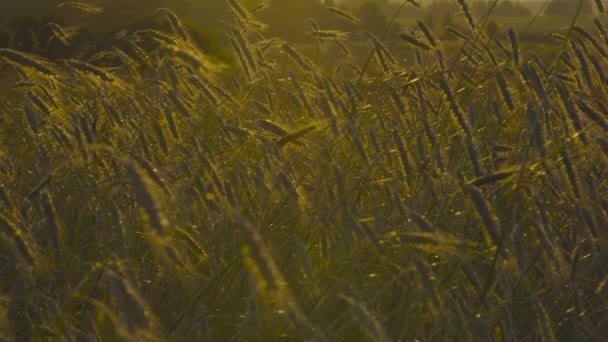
(9,227)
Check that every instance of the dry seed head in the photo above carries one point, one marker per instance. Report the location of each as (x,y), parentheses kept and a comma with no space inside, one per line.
(112,112)
(427,33)
(179,104)
(482,207)
(272,127)
(598,69)
(240,39)
(557,259)
(230,197)
(414,41)
(342,13)
(329,113)
(151,172)
(325,34)
(341,46)
(461,119)
(421,222)
(403,155)
(544,321)
(534,80)
(39,103)
(591,39)
(474,156)
(297,57)
(8,227)
(23,84)
(238,9)
(31,117)
(425,273)
(87,8)
(27,61)
(456,33)
(360,148)
(264,45)
(380,47)
(169,69)
(584,67)
(160,135)
(261,107)
(132,308)
(490,54)
(567,59)
(380,58)
(206,91)
(340,184)
(375,329)
(224,93)
(514,45)
(600,27)
(126,60)
(440,59)
(374,139)
(571,173)
(146,198)
(428,129)
(62,34)
(599,5)
(88,68)
(467,13)
(236,130)
(261,259)
(603,142)
(257,7)
(48,96)
(501,47)
(86,130)
(241,56)
(139,53)
(293,136)
(398,101)
(492,178)
(537,132)
(175,23)
(351,94)
(171,121)
(51,219)
(5,198)
(82,146)
(592,114)
(119,228)
(314,24)
(566,99)
(469,54)
(588,218)
(301,94)
(36,189)
(504,90)
(266,271)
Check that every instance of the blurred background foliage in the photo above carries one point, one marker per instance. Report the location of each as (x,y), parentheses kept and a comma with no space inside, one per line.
(24,25)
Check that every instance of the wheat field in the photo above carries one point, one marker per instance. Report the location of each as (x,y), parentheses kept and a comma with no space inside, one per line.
(154,192)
